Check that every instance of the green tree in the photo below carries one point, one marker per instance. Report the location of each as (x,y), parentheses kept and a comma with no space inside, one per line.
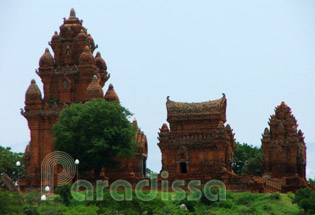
(10,203)
(170,209)
(8,161)
(51,208)
(249,156)
(150,173)
(311,181)
(65,193)
(96,133)
(82,210)
(305,199)
(253,166)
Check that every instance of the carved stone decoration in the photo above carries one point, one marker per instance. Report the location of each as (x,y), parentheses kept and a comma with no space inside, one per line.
(182,154)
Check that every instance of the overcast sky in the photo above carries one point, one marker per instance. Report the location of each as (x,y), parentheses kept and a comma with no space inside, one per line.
(258,53)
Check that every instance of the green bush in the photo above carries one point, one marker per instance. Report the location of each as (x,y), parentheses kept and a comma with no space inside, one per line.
(32,198)
(65,193)
(31,210)
(291,195)
(311,181)
(10,203)
(171,209)
(82,210)
(245,198)
(52,208)
(189,204)
(275,196)
(224,204)
(235,204)
(305,199)
(266,207)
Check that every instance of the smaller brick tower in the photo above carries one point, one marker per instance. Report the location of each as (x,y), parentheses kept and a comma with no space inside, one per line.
(283,145)
(198,145)
(284,149)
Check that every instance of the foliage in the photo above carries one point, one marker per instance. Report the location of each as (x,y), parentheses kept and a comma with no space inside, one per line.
(311,181)
(275,196)
(150,173)
(171,209)
(82,210)
(305,199)
(235,204)
(32,197)
(96,133)
(247,159)
(31,210)
(291,195)
(253,166)
(135,206)
(65,193)
(10,203)
(53,100)
(8,161)
(51,208)
(31,203)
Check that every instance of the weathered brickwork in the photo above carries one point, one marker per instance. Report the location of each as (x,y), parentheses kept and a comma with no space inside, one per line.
(72,75)
(197,145)
(284,149)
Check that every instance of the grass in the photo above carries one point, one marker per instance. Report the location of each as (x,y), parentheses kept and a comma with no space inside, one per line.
(235,204)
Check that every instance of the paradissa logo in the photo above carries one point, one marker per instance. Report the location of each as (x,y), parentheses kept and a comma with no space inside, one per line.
(120,190)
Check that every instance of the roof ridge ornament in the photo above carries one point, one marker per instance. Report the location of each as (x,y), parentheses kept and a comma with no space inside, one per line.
(223,95)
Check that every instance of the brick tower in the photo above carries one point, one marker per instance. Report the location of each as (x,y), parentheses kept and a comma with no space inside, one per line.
(72,75)
(198,145)
(283,146)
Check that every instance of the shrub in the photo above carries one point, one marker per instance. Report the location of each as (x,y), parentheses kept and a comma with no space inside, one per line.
(245,198)
(291,195)
(31,210)
(172,209)
(32,198)
(10,203)
(189,204)
(224,204)
(305,199)
(266,207)
(275,196)
(311,181)
(82,210)
(51,208)
(65,193)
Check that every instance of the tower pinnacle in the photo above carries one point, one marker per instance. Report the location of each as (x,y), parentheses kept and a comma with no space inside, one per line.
(72,13)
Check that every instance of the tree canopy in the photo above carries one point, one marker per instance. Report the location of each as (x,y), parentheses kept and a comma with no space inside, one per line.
(305,199)
(8,161)
(96,133)
(311,181)
(247,159)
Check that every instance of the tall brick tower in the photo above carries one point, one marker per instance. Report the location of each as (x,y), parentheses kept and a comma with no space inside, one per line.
(67,78)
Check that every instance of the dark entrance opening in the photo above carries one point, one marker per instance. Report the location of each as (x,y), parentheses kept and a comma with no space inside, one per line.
(183,167)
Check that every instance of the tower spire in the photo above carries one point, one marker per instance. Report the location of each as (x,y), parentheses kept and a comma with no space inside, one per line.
(72,13)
